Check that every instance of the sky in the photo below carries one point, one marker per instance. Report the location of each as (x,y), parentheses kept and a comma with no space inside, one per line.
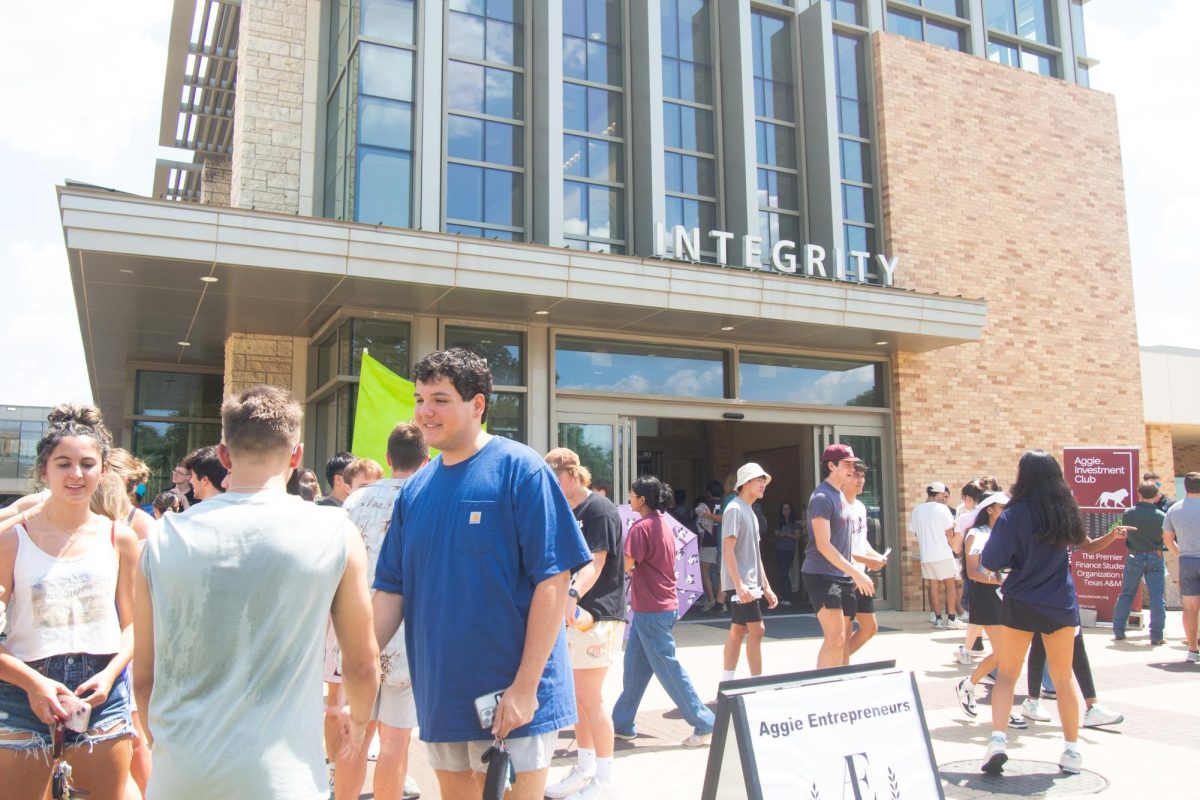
(87,109)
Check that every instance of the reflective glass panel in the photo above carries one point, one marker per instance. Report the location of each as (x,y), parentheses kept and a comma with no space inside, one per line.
(464,137)
(384,185)
(952,7)
(1002,53)
(848,11)
(162,445)
(1036,62)
(388,19)
(635,368)
(593,443)
(386,71)
(857,203)
(904,24)
(1033,21)
(464,192)
(856,161)
(808,381)
(1001,15)
(464,91)
(502,350)
(385,123)
(177,394)
(506,415)
(947,36)
(502,197)
(776,144)
(385,340)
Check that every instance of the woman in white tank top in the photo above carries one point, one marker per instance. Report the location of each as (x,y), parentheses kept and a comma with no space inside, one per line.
(67,580)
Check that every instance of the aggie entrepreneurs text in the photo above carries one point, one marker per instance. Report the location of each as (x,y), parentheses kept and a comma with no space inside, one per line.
(814,720)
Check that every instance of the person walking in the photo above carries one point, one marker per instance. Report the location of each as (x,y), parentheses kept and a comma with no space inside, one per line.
(66,578)
(932,523)
(595,621)
(1144,540)
(742,572)
(1181,534)
(1031,539)
(863,557)
(650,651)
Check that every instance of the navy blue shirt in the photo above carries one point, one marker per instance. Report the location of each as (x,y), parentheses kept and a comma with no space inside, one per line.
(467,545)
(1041,574)
(827,503)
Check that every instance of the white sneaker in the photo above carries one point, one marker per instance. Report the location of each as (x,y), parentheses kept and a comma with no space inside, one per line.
(698,740)
(962,655)
(966,697)
(570,784)
(411,790)
(596,790)
(1071,761)
(1193,657)
(956,623)
(997,754)
(1033,709)
(1099,715)
(939,623)
(933,619)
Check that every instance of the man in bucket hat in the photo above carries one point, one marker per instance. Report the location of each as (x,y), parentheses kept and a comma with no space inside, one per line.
(742,571)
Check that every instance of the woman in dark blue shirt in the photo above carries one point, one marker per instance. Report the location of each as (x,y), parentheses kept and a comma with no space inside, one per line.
(1031,539)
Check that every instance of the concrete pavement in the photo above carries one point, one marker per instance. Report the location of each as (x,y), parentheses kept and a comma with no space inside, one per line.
(1150,754)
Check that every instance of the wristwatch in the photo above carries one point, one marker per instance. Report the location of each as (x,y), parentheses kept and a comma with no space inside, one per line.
(572,593)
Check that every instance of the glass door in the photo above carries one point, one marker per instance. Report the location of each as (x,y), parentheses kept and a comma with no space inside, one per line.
(867,444)
(607,446)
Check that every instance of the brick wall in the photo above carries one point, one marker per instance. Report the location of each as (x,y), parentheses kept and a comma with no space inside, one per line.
(1186,458)
(1160,454)
(1006,186)
(214,182)
(251,359)
(268,108)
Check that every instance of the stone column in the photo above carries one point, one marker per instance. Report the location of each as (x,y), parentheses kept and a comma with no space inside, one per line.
(252,359)
(214,182)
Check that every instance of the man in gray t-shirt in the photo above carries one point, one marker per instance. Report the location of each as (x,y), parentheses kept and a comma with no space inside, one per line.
(742,571)
(1181,535)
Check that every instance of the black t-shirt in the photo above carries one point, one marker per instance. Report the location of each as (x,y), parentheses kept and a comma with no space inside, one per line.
(601,525)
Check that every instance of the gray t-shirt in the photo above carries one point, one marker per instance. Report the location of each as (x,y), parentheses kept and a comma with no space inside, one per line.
(241,586)
(738,521)
(1183,519)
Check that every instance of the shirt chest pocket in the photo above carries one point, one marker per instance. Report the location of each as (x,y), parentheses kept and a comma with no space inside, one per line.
(476,523)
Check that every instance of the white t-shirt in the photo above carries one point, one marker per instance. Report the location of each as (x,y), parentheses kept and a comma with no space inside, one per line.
(979,537)
(930,521)
(858,533)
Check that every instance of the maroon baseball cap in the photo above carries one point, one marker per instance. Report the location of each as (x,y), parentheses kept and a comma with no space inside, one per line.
(838,452)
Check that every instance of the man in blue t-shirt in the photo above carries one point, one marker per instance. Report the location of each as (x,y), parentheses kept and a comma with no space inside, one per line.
(828,574)
(477,559)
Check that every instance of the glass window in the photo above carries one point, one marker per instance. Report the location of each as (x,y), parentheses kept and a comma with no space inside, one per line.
(1032,61)
(593,443)
(634,368)
(856,161)
(386,71)
(177,394)
(388,19)
(948,36)
(952,8)
(506,415)
(1025,19)
(504,351)
(384,182)
(1078,39)
(808,381)
(1003,53)
(848,11)
(162,445)
(904,24)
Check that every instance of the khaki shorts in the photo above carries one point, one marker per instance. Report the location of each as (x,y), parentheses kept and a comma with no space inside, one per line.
(397,708)
(528,753)
(938,570)
(598,646)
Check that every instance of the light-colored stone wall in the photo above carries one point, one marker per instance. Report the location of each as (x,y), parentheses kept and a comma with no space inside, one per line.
(214,182)
(1007,186)
(252,359)
(268,109)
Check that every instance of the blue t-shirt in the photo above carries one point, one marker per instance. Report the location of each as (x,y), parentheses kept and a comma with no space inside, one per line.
(466,546)
(827,502)
(1041,574)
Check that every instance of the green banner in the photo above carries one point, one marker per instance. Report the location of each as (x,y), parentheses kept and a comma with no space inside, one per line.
(384,399)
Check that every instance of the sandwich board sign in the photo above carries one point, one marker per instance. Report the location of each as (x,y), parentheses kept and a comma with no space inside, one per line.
(847,733)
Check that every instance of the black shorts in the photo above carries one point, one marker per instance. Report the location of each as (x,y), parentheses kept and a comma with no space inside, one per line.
(1024,617)
(985,604)
(745,613)
(826,591)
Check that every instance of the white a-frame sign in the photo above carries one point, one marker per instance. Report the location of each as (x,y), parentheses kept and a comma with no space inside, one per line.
(848,733)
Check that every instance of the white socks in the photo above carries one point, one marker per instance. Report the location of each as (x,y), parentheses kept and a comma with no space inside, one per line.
(1071,747)
(999,736)
(587,760)
(604,769)
(728,674)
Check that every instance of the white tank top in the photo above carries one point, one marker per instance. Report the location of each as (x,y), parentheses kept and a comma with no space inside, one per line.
(63,605)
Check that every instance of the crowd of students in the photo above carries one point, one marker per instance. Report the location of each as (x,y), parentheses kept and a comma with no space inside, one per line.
(479,596)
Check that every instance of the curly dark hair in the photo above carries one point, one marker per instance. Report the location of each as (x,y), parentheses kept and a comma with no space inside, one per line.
(658,495)
(1040,483)
(467,372)
(72,420)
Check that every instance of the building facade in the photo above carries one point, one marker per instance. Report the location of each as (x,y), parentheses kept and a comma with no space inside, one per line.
(685,233)
(20,429)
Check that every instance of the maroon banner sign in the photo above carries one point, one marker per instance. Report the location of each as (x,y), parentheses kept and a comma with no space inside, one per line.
(1104,482)
(1102,478)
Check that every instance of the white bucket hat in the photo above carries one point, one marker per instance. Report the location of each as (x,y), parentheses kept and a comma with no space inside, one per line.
(748,472)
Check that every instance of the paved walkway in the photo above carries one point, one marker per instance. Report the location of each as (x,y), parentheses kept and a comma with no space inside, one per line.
(1149,755)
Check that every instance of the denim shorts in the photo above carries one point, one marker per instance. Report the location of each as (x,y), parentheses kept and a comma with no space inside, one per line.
(71,671)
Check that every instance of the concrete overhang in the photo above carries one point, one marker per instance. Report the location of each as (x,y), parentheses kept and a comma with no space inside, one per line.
(136,266)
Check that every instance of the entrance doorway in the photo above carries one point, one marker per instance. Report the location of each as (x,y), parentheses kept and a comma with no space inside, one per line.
(686,453)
